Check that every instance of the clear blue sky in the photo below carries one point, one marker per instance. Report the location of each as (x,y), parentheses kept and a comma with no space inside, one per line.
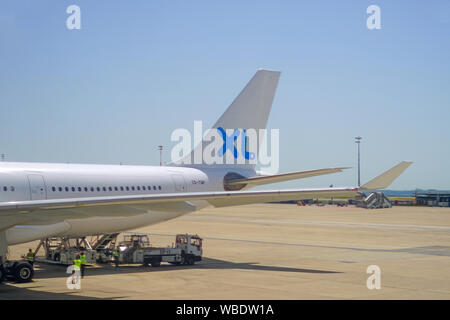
(116,89)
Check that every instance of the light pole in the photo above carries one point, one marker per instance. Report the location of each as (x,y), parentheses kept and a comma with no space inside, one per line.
(160,148)
(358,141)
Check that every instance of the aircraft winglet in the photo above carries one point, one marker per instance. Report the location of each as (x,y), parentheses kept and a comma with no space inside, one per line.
(385,179)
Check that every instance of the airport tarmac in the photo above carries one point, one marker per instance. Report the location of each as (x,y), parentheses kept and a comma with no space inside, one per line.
(276,251)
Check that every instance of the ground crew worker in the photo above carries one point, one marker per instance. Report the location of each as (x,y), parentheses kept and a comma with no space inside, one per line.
(77,266)
(116,257)
(30,257)
(77,263)
(83,263)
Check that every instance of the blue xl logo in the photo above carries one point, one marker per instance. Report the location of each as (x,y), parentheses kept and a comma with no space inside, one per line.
(229,142)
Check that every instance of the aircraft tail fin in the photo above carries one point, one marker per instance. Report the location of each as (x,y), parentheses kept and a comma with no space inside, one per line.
(249,110)
(252,106)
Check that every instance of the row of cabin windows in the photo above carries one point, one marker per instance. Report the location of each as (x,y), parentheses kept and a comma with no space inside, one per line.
(106,189)
(92,189)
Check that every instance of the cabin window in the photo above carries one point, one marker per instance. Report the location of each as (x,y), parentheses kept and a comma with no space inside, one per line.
(92,189)
(73,189)
(53,189)
(139,188)
(85,189)
(12,189)
(154,187)
(121,188)
(159,187)
(60,189)
(67,189)
(128,188)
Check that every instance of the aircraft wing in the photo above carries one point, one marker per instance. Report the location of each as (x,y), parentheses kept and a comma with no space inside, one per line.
(52,211)
(217,199)
(42,211)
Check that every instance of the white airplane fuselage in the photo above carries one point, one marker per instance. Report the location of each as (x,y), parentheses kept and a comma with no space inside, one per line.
(41,181)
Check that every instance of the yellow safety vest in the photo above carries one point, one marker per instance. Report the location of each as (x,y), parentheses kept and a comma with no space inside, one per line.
(77,263)
(83,259)
(116,253)
(30,256)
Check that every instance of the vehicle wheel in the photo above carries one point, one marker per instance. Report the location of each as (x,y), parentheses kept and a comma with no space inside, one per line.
(189,260)
(155,263)
(23,272)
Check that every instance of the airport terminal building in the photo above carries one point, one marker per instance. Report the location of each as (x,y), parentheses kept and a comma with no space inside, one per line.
(433,199)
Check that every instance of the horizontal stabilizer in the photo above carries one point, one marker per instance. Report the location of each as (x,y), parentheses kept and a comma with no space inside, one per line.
(261,180)
(384,180)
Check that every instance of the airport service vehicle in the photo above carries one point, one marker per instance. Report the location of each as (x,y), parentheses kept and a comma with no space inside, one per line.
(64,250)
(44,200)
(136,249)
